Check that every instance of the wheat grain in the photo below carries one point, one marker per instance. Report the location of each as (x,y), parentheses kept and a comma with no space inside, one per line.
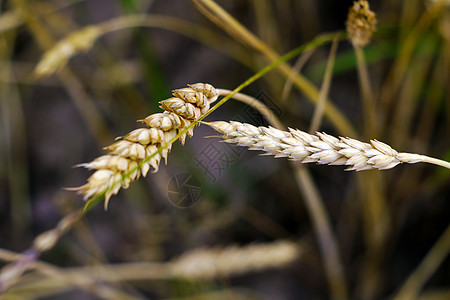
(128,158)
(320,148)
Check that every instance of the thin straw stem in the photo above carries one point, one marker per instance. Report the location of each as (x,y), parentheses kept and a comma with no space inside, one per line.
(256,104)
(370,110)
(320,106)
(436,161)
(299,64)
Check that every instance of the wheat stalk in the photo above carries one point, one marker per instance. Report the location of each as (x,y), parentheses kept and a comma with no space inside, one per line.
(129,157)
(320,148)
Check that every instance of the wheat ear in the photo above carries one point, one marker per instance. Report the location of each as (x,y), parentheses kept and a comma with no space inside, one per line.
(129,156)
(361,23)
(233,260)
(320,148)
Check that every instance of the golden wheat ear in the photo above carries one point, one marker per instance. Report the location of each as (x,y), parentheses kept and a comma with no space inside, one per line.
(133,155)
(320,148)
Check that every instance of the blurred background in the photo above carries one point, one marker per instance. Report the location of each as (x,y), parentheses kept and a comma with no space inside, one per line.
(211,194)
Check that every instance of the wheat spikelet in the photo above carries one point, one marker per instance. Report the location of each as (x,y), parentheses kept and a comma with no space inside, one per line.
(320,148)
(233,260)
(128,158)
(361,23)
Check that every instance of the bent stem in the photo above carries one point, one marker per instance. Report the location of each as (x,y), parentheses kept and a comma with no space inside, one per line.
(191,30)
(256,104)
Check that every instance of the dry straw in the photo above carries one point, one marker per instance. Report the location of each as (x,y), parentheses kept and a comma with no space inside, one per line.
(129,157)
(320,148)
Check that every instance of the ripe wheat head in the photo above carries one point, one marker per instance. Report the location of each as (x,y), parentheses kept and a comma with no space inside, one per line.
(128,157)
(320,148)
